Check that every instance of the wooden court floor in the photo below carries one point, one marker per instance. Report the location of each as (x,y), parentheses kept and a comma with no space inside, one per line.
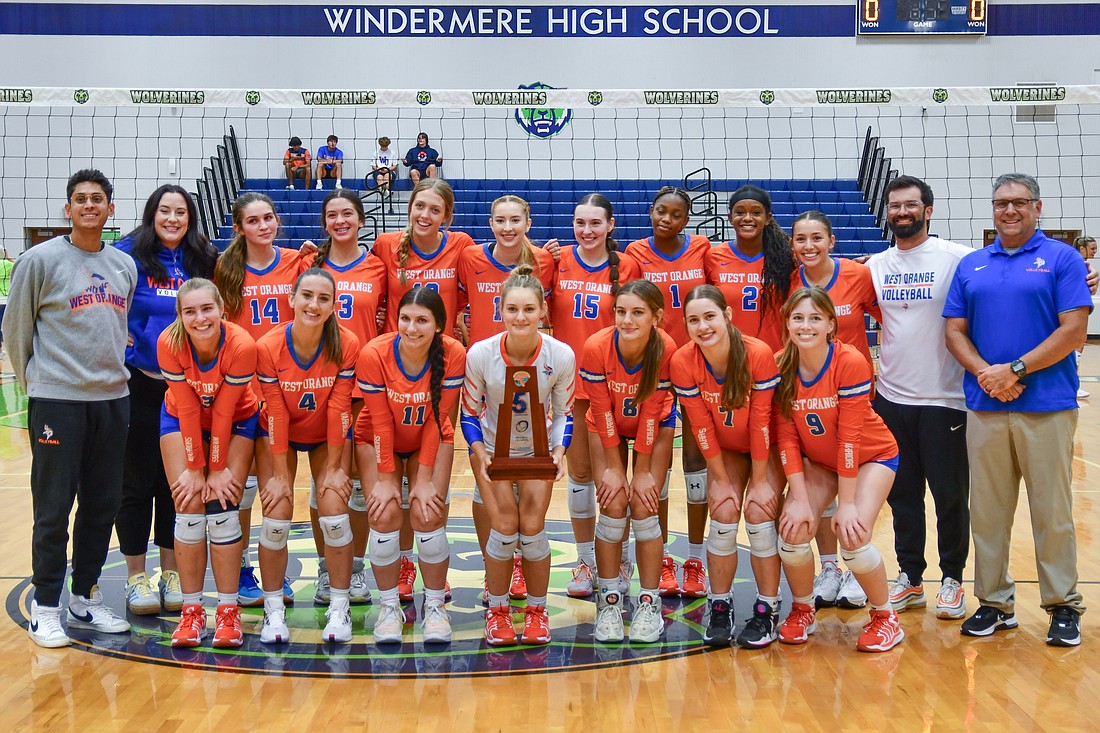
(936,680)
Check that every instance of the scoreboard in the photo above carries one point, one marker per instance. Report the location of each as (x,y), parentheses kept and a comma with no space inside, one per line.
(921,16)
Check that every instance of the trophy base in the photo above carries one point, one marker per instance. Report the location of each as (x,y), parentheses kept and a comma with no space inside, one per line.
(523,469)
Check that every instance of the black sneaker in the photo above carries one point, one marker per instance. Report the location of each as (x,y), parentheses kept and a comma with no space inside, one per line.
(720,630)
(1065,627)
(986,620)
(762,629)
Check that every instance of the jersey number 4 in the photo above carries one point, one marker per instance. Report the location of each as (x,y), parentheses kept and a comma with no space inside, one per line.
(308,402)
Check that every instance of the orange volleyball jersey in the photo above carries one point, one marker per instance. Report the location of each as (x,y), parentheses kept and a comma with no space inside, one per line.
(360,292)
(265,294)
(437,270)
(479,279)
(582,302)
(675,275)
(852,291)
(741,280)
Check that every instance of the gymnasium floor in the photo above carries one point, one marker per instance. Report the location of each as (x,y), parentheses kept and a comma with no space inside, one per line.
(936,680)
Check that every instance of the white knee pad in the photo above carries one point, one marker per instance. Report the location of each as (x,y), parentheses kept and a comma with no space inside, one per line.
(358,500)
(829,511)
(534,547)
(795,555)
(501,547)
(191,528)
(647,529)
(336,529)
(862,559)
(224,527)
(610,529)
(664,488)
(696,486)
(763,539)
(582,500)
(251,488)
(274,533)
(384,548)
(433,547)
(312,494)
(722,538)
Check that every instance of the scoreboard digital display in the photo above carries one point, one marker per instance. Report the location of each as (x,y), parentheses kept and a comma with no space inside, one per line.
(921,16)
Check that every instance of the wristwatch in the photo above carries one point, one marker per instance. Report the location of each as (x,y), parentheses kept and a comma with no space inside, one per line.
(1018,368)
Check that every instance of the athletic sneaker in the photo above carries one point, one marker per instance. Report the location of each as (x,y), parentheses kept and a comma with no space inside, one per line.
(338,626)
(498,627)
(45,627)
(903,594)
(360,591)
(827,586)
(647,623)
(191,627)
(986,620)
(389,624)
(518,589)
(322,592)
(288,592)
(882,633)
(536,625)
(141,599)
(609,619)
(274,630)
(695,579)
(669,585)
(851,593)
(227,627)
(951,600)
(249,593)
(762,629)
(171,594)
(97,616)
(1082,394)
(720,629)
(319,185)
(405,579)
(581,584)
(1065,627)
(799,624)
(437,624)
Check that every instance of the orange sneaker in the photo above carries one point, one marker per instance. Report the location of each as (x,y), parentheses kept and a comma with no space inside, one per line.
(799,624)
(406,579)
(518,591)
(536,625)
(882,633)
(695,579)
(191,626)
(498,627)
(227,627)
(669,585)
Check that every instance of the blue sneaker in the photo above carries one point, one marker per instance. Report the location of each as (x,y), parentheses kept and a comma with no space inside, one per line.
(288,592)
(249,592)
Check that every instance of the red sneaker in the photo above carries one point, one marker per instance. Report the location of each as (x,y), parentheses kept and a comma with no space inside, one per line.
(695,579)
(406,579)
(498,627)
(882,633)
(799,624)
(518,591)
(669,585)
(227,627)
(536,625)
(191,626)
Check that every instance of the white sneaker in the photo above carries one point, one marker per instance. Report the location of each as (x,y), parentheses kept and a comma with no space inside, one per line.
(609,622)
(951,600)
(647,624)
(274,630)
(903,594)
(851,593)
(171,594)
(45,628)
(140,597)
(339,183)
(827,586)
(96,615)
(323,593)
(1082,394)
(581,584)
(360,591)
(338,628)
(388,626)
(319,185)
(290,187)
(437,624)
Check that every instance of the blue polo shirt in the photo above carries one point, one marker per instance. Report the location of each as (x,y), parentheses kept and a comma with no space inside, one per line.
(323,153)
(1011,304)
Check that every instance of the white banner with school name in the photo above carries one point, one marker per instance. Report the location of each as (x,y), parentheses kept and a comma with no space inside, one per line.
(548,98)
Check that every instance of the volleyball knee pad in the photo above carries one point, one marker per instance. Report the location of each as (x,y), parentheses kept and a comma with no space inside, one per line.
(384,547)
(501,547)
(224,527)
(274,533)
(534,547)
(829,511)
(336,529)
(722,538)
(432,546)
(664,488)
(312,494)
(795,555)
(358,500)
(862,559)
(582,499)
(190,528)
(610,529)
(647,529)
(763,539)
(251,488)
(696,486)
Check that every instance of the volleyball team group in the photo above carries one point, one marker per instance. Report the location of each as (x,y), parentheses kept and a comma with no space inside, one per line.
(368,361)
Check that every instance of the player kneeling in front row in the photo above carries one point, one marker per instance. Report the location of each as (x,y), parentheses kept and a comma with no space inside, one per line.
(209,410)
(410,381)
(832,444)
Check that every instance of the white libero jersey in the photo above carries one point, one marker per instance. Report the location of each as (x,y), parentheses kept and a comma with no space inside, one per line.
(915,367)
(483,392)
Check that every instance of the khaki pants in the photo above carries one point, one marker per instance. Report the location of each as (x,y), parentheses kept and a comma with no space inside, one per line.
(1038,447)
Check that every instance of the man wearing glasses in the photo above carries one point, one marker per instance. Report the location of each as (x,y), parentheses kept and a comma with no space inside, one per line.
(1015,312)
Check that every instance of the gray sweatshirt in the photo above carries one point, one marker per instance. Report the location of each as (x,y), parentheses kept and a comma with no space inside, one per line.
(65,324)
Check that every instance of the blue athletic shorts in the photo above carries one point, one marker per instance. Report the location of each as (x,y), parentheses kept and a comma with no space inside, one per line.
(245,428)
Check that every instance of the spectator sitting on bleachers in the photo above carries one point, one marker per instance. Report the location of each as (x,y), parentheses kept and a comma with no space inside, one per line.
(296,163)
(384,167)
(330,162)
(422,160)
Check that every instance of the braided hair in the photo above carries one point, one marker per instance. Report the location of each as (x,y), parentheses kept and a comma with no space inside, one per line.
(444,190)
(600,201)
(437,356)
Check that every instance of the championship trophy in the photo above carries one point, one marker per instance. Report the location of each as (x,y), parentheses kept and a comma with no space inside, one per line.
(520,380)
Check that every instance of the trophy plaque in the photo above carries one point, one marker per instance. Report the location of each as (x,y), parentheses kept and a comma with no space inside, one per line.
(520,380)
